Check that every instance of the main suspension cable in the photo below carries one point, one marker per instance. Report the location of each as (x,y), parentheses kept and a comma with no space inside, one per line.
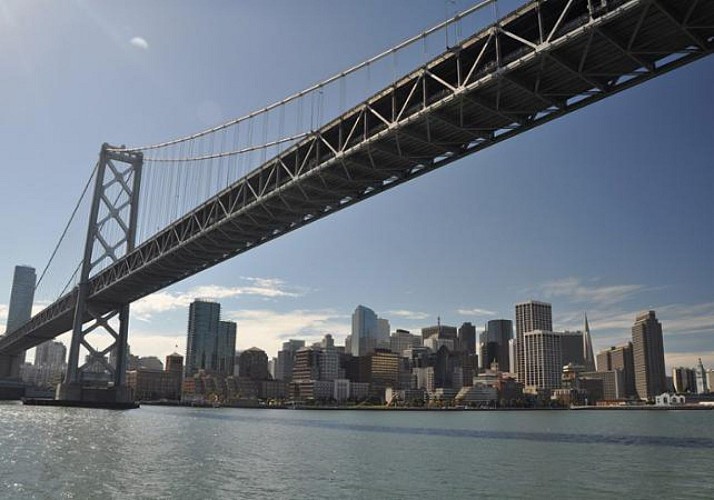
(66,228)
(316,86)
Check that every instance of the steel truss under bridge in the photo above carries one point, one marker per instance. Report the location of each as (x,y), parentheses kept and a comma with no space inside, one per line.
(540,62)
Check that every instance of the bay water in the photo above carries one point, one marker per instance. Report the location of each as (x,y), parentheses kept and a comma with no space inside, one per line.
(203,453)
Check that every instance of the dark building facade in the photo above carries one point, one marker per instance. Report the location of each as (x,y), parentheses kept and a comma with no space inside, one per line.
(253,364)
(648,356)
(467,338)
(494,344)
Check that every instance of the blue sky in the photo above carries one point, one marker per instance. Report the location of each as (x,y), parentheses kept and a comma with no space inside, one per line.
(607,210)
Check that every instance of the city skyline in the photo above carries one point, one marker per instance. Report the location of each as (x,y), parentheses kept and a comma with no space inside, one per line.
(562,213)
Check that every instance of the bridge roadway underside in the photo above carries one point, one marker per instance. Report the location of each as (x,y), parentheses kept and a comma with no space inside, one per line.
(539,63)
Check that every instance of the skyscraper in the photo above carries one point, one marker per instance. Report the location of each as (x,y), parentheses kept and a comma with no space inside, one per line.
(50,353)
(286,358)
(494,344)
(531,315)
(401,340)
(20,310)
(467,338)
(441,331)
(701,378)
(588,354)
(365,331)
(619,358)
(648,355)
(383,333)
(571,345)
(542,360)
(211,342)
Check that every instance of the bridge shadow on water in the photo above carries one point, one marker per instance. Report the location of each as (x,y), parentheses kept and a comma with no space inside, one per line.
(548,437)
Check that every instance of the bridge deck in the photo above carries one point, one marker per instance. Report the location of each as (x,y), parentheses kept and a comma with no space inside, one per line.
(539,63)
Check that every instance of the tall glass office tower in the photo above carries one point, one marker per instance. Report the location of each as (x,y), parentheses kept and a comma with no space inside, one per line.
(211,343)
(21,297)
(20,311)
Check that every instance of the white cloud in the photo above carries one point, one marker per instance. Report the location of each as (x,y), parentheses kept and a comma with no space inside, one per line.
(577,291)
(161,302)
(139,42)
(403,313)
(267,328)
(475,312)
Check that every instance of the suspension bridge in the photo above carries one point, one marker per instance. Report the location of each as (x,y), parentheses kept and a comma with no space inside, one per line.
(163,212)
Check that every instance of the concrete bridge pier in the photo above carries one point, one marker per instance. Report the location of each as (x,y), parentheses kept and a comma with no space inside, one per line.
(11,387)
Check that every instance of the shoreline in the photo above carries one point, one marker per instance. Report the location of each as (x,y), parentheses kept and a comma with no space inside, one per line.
(419,409)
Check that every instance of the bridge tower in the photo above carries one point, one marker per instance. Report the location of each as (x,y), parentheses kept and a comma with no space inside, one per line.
(111,234)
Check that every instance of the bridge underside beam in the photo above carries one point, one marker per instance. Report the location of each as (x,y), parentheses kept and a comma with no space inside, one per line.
(538,63)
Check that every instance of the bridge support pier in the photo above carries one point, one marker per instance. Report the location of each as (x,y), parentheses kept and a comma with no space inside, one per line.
(11,387)
(102,329)
(10,365)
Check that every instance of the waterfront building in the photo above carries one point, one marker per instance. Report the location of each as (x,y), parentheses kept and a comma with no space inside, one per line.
(648,355)
(272,389)
(202,387)
(152,385)
(619,358)
(312,390)
(542,360)
(531,315)
(467,338)
(210,342)
(478,395)
(612,383)
(495,341)
(666,399)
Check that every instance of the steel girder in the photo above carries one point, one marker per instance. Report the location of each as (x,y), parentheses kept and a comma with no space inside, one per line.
(546,59)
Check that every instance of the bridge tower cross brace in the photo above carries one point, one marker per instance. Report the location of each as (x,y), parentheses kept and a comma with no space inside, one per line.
(111,234)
